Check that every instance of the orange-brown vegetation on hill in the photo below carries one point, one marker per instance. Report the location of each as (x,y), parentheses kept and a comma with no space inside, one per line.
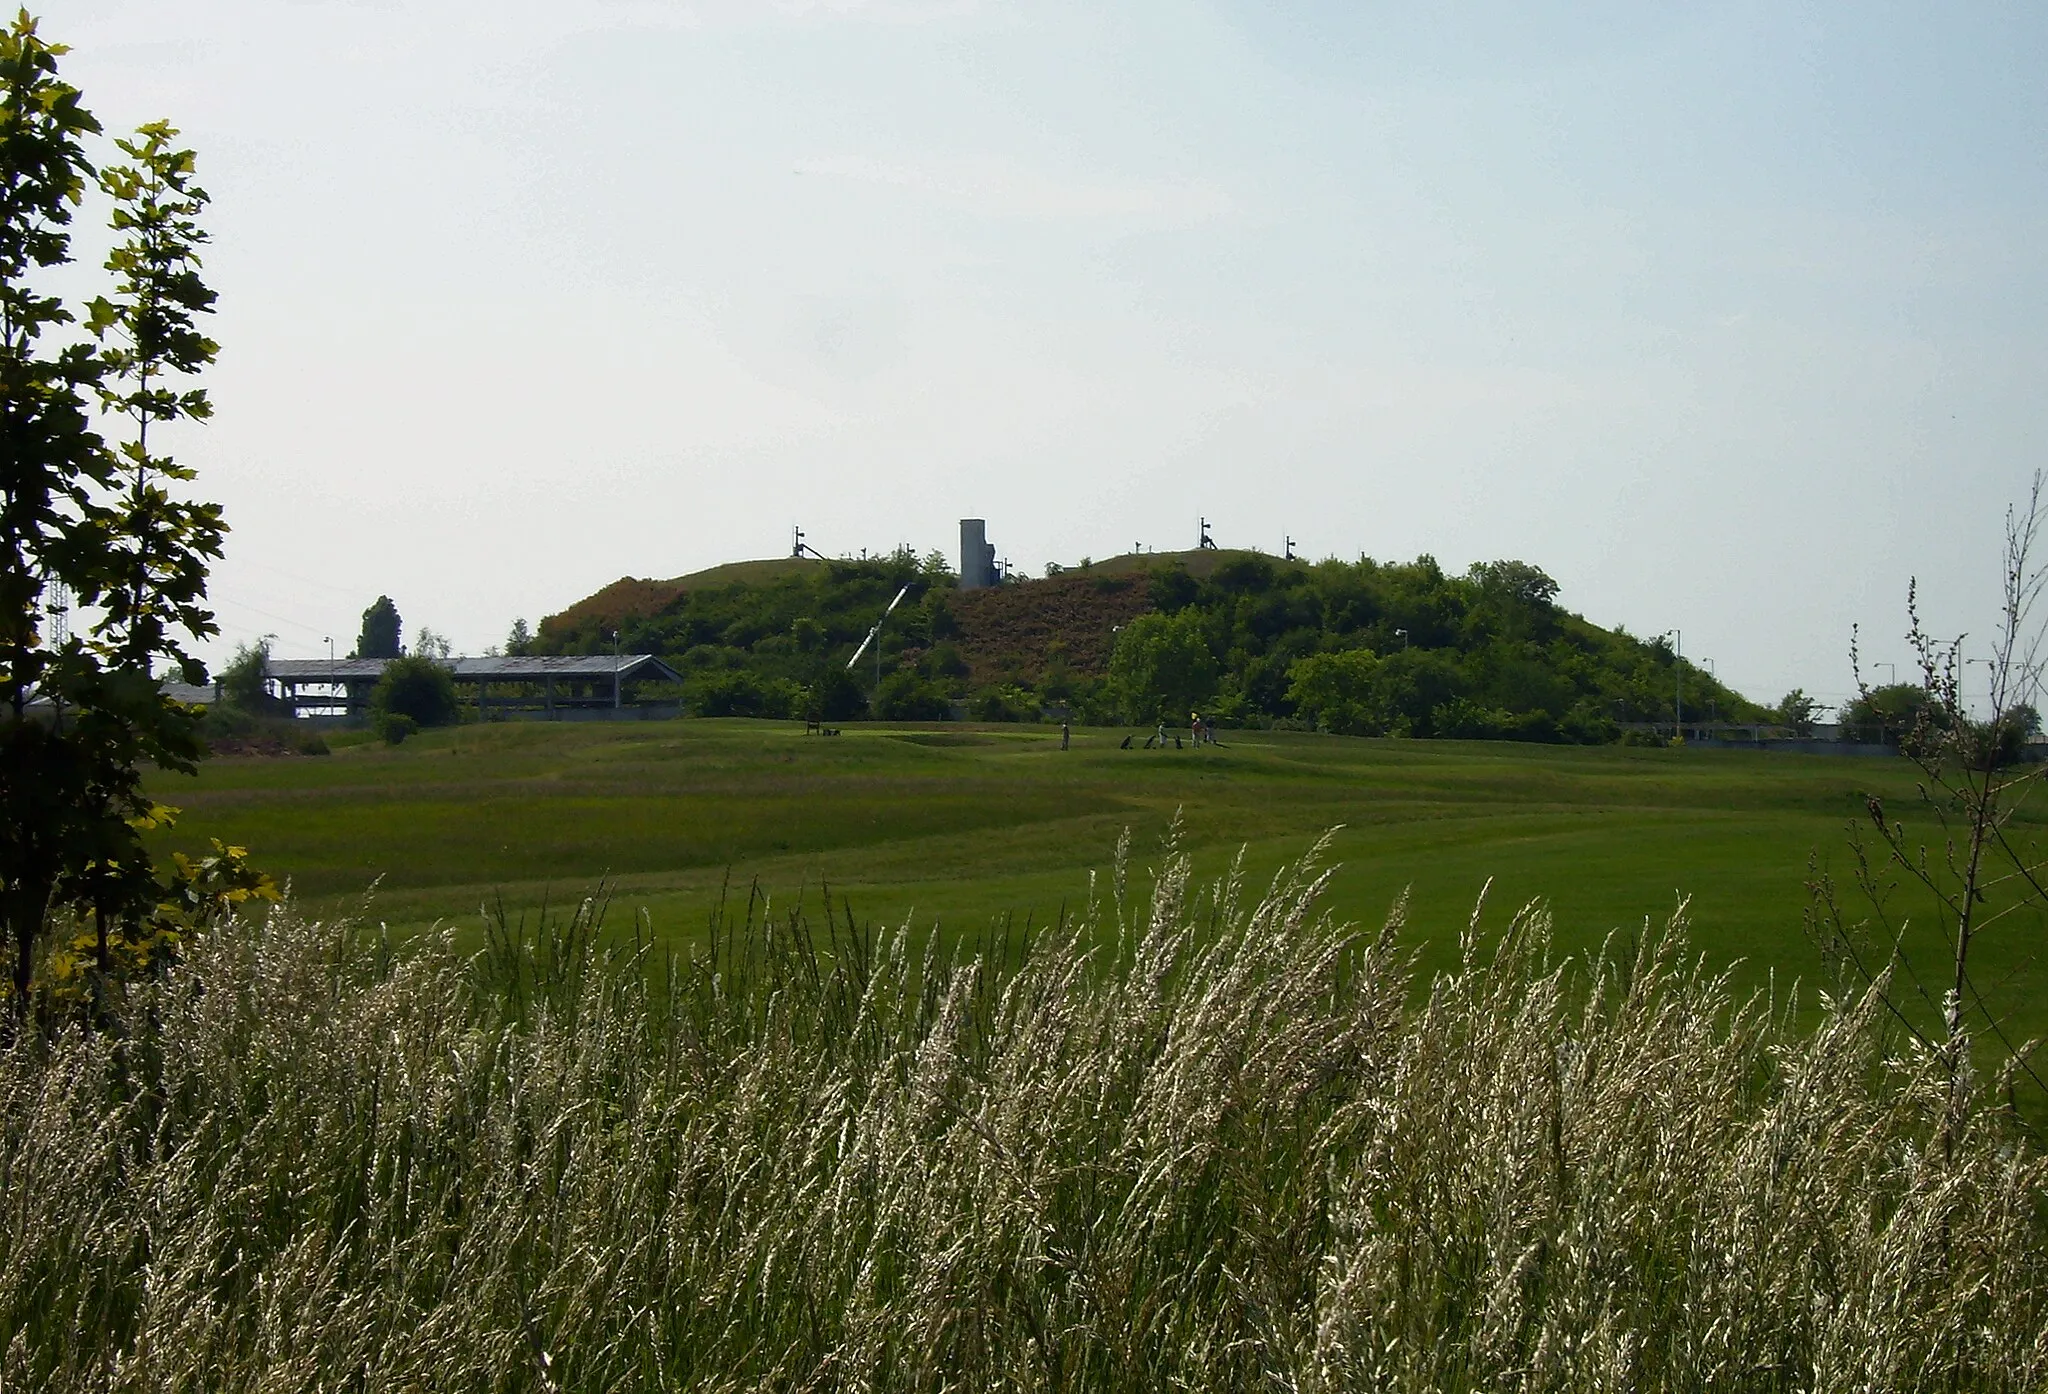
(1017,632)
(632,598)
(627,598)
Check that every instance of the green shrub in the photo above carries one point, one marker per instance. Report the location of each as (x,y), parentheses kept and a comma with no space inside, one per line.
(1004,702)
(393,727)
(904,696)
(418,689)
(732,692)
(242,682)
(227,721)
(229,727)
(838,696)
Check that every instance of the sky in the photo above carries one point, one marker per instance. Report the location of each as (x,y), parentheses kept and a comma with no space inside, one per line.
(1731,319)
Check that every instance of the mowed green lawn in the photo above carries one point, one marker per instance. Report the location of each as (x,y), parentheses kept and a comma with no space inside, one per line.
(967,827)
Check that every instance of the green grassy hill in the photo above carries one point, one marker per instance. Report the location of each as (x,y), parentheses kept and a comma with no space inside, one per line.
(1199,563)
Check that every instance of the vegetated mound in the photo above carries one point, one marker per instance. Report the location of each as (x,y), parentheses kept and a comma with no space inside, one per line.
(1022,631)
(1357,648)
(631,598)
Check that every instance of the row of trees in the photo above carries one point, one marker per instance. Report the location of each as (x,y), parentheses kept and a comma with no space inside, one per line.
(90,508)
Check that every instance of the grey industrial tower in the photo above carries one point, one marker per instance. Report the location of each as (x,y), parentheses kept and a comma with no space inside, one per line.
(977,555)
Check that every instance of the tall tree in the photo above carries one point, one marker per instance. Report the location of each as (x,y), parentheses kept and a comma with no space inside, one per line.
(150,349)
(1163,666)
(380,634)
(98,520)
(53,472)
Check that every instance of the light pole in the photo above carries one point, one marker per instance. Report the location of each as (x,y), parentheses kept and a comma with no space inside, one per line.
(1713,698)
(1677,683)
(330,672)
(1402,635)
(1960,708)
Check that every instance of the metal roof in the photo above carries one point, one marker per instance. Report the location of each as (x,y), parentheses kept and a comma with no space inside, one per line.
(588,667)
(320,670)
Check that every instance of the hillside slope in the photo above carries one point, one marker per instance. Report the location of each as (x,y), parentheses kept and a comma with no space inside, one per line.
(631,598)
(1361,647)
(1019,632)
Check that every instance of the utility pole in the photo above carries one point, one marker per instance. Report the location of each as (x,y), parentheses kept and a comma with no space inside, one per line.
(1678,682)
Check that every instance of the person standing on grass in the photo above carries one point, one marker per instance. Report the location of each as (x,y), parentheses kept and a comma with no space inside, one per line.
(1161,734)
(1066,735)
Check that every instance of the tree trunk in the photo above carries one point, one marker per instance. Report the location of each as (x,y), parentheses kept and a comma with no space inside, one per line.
(28,907)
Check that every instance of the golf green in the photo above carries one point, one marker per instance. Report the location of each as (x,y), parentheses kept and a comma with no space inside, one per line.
(965,827)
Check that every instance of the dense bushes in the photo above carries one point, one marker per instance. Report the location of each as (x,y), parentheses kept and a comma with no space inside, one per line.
(730,692)
(414,692)
(1192,1144)
(228,729)
(1368,648)
(907,695)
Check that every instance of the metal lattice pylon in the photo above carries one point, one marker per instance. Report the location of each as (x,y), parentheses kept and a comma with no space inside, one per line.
(57,605)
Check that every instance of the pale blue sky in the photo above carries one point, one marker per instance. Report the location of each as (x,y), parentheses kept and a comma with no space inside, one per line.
(1731,320)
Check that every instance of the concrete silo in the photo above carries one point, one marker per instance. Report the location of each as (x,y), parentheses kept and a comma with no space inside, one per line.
(977,555)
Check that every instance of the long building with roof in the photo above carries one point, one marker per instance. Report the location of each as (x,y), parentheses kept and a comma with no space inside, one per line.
(553,684)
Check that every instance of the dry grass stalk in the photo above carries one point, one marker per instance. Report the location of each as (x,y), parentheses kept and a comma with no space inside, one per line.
(1231,1147)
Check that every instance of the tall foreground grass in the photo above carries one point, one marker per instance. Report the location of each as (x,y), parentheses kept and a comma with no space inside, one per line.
(1190,1142)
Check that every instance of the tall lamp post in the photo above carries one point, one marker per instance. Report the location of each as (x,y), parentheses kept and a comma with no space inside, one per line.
(1677,683)
(1961,709)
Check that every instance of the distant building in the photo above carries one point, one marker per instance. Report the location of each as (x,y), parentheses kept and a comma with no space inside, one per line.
(977,555)
(554,684)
